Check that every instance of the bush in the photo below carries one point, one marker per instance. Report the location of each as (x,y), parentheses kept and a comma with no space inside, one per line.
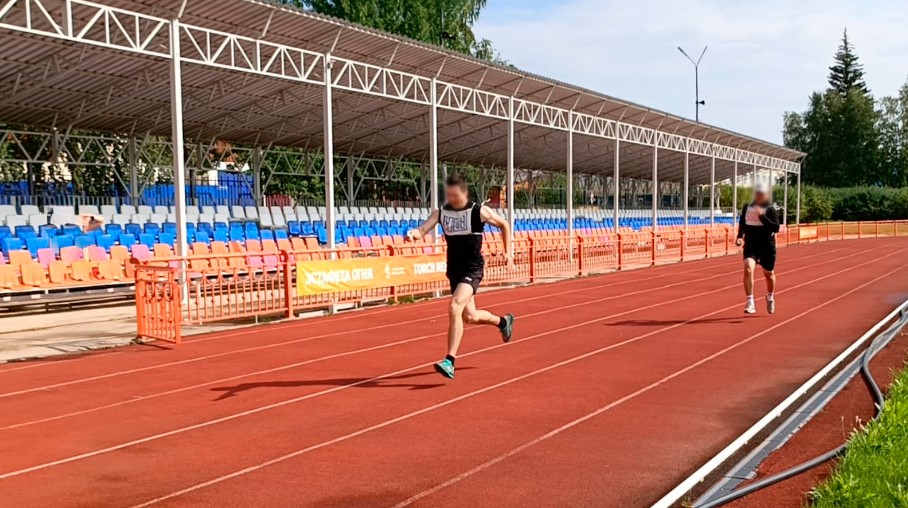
(869,203)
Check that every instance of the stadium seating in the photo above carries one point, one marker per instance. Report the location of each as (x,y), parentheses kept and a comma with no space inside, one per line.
(51,241)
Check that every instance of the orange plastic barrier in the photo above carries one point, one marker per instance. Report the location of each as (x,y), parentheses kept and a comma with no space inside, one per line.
(219,284)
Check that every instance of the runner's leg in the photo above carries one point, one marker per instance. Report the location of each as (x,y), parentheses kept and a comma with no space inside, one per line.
(749,265)
(462,296)
(475,316)
(770,276)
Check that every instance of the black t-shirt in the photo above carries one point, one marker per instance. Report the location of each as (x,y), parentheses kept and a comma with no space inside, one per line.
(462,228)
(758,229)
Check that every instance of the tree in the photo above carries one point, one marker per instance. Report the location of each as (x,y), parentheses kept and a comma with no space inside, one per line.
(847,74)
(839,129)
(441,22)
(892,125)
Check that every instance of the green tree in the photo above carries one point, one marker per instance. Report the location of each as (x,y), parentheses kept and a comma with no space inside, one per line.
(892,125)
(442,22)
(847,73)
(839,129)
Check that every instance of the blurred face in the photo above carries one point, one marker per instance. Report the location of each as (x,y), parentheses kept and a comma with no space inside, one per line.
(761,197)
(456,195)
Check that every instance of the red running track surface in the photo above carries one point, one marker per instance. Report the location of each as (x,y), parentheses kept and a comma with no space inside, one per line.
(614,389)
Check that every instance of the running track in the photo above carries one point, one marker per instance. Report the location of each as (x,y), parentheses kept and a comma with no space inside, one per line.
(614,390)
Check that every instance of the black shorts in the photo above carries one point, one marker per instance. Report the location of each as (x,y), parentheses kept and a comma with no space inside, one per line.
(470,277)
(764,255)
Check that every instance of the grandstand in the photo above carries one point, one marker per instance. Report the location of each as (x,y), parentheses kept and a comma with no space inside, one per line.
(272,82)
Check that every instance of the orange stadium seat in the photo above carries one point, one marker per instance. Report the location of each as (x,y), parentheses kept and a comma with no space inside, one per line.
(162,251)
(19,257)
(9,278)
(33,274)
(57,271)
(110,269)
(81,270)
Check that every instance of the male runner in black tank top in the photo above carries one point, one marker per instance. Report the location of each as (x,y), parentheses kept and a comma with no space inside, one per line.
(462,222)
(757,228)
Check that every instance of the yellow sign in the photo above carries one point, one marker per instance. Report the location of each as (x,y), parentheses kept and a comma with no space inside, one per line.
(331,276)
(807,233)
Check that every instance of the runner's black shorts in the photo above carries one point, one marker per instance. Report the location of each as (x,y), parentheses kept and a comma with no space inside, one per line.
(471,277)
(763,254)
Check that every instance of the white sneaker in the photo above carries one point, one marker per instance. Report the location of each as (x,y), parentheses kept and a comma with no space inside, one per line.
(771,306)
(750,308)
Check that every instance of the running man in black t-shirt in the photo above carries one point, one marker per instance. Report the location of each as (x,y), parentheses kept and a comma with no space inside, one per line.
(757,230)
(462,223)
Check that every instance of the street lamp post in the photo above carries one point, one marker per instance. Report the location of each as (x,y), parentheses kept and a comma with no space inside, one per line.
(696,63)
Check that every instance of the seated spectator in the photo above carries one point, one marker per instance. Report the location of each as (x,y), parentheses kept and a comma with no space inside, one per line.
(91,223)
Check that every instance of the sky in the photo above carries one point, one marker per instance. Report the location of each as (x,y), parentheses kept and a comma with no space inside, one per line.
(764,57)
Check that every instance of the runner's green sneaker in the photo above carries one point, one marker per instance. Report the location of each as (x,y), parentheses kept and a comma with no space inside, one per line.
(508,329)
(445,368)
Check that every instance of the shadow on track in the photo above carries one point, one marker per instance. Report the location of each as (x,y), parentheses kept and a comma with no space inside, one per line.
(388,382)
(669,322)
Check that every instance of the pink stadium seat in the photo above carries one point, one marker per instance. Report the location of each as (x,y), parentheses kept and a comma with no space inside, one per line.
(97,254)
(46,257)
(140,251)
(69,255)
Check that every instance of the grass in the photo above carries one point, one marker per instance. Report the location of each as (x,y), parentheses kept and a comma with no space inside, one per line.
(874,471)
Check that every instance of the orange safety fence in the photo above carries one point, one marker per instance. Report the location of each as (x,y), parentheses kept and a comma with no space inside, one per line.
(220,282)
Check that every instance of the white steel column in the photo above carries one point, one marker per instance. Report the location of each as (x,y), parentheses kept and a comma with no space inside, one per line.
(176,129)
(570,179)
(433,151)
(350,165)
(511,213)
(712,192)
(616,187)
(798,210)
(734,191)
(785,199)
(328,130)
(655,187)
(133,171)
(257,158)
(686,191)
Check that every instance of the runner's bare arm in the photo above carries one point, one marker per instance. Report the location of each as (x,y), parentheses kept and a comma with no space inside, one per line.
(490,217)
(425,228)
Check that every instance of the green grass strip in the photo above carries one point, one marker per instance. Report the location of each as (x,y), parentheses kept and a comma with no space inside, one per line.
(874,471)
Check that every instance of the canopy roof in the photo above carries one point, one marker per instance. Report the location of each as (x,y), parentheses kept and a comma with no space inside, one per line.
(255,73)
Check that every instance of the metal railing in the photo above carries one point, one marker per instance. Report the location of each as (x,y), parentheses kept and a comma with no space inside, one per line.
(171,292)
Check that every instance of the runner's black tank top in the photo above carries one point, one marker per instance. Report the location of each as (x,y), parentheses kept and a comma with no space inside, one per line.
(462,228)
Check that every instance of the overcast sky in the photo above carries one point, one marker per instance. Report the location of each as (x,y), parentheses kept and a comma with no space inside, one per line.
(764,57)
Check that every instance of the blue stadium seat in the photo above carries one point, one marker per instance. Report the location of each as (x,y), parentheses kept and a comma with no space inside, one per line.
(113,229)
(106,241)
(60,241)
(83,241)
(72,230)
(10,244)
(24,232)
(166,239)
(147,239)
(47,230)
(133,229)
(36,242)
(127,239)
